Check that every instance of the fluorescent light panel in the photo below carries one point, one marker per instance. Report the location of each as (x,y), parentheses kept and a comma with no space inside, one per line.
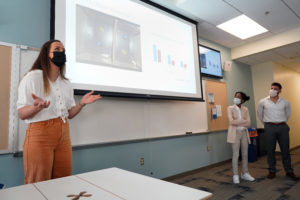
(242,27)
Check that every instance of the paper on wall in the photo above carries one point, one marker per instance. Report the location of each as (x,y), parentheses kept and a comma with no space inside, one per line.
(211,98)
(219,110)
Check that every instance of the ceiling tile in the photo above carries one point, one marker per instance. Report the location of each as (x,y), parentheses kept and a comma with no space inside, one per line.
(288,51)
(171,4)
(294,5)
(279,18)
(213,11)
(268,56)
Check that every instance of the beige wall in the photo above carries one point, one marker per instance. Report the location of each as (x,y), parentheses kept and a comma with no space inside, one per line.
(266,73)
(290,81)
(262,77)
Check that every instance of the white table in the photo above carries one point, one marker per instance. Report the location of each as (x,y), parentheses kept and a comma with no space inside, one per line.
(106,184)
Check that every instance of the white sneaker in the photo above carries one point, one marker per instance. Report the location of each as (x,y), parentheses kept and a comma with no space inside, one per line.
(247,177)
(236,179)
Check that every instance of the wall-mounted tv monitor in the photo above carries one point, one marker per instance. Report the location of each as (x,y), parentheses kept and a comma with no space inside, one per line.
(129,48)
(210,62)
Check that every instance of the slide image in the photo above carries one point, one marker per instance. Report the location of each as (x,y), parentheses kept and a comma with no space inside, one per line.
(102,39)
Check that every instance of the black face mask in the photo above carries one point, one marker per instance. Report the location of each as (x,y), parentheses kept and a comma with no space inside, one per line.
(59,58)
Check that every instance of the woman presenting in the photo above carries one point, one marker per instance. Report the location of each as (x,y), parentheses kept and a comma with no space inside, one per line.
(238,135)
(46,102)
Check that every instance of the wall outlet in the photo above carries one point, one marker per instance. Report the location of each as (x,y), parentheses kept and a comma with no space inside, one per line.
(142,161)
(208,148)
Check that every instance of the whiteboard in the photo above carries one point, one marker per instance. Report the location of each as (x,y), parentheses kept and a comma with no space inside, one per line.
(113,119)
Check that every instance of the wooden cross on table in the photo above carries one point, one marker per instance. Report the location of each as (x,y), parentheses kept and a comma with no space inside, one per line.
(77,196)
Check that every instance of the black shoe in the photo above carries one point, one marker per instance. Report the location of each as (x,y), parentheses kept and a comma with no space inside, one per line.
(271,175)
(291,175)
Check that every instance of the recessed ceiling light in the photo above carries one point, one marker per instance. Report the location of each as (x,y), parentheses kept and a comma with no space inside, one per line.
(242,27)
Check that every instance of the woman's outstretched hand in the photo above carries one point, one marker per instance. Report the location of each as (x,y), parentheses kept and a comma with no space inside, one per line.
(39,102)
(89,98)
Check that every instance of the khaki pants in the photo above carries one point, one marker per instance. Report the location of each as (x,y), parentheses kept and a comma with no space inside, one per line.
(47,151)
(241,140)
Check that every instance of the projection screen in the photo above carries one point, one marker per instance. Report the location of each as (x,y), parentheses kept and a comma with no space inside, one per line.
(129,48)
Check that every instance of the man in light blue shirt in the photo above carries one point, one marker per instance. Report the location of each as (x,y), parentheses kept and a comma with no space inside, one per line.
(274,112)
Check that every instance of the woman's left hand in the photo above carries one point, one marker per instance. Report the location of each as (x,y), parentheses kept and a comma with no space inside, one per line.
(89,98)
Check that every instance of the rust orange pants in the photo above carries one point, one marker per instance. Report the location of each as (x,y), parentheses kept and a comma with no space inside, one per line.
(47,151)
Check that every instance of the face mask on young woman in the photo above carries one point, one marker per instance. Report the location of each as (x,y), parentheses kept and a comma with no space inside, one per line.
(236,101)
(273,93)
(59,58)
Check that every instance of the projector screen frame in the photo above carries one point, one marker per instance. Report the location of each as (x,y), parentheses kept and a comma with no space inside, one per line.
(135,95)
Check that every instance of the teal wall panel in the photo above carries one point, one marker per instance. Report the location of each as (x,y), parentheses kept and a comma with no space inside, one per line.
(25,22)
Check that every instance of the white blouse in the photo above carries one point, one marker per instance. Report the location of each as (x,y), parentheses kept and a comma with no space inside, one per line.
(61,96)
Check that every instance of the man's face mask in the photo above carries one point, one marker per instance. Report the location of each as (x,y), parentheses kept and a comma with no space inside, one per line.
(59,58)
(273,93)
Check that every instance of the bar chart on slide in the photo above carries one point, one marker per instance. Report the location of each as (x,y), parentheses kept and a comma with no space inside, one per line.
(158,57)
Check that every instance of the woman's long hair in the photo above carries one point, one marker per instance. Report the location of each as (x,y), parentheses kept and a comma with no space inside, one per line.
(43,63)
